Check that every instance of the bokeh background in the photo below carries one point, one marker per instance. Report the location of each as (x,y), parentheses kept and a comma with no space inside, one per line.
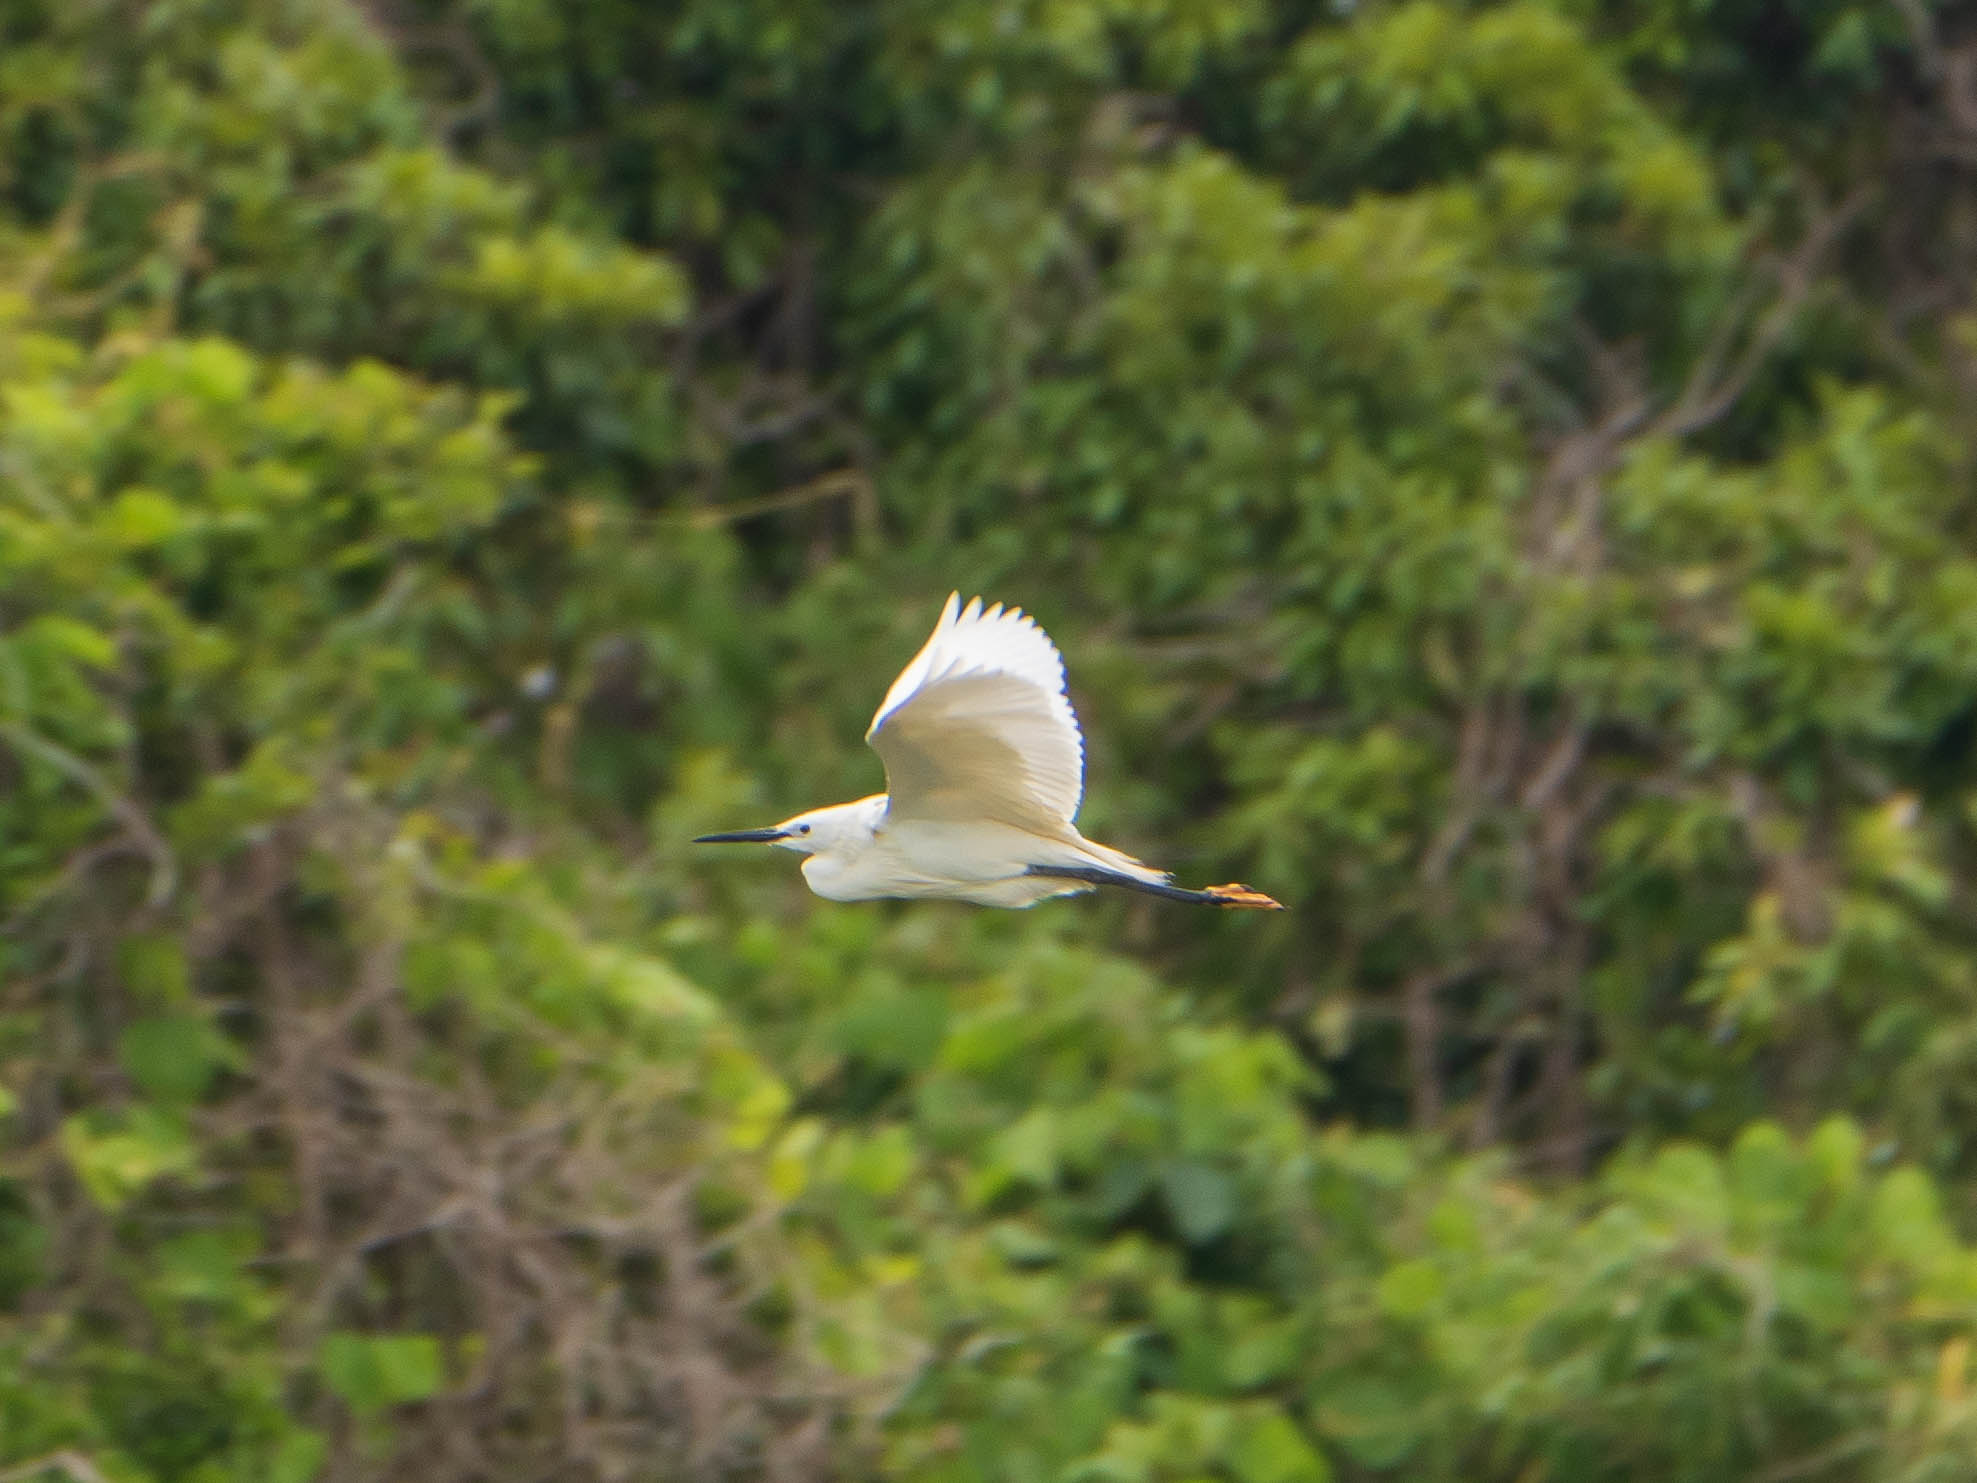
(1501,476)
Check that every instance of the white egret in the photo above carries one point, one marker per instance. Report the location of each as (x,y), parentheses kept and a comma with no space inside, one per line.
(985,768)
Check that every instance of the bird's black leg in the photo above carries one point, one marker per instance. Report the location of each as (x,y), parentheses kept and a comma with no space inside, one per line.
(1098,875)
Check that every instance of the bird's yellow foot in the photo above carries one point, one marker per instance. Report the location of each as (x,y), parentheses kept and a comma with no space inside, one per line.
(1237,894)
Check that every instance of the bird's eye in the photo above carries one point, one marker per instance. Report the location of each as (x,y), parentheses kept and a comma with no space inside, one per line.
(802,828)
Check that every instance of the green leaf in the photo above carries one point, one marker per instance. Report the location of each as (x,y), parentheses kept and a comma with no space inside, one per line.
(1369,1418)
(1022,1246)
(71,639)
(893,1029)
(139,518)
(24,1243)
(1687,1184)
(154,969)
(205,1266)
(1259,1352)
(374,1371)
(1023,1154)
(1847,48)
(116,1157)
(174,1057)
(298,1457)
(1908,1219)
(879,1164)
(1767,1177)
(1410,1289)
(1272,1450)
(1834,1150)
(1201,1198)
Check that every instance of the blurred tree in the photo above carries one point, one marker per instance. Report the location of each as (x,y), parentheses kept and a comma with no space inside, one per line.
(1500,475)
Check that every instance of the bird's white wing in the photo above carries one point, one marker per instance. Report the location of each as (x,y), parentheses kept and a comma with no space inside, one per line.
(978,726)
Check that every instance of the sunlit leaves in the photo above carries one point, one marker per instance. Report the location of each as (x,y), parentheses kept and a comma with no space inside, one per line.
(374,1371)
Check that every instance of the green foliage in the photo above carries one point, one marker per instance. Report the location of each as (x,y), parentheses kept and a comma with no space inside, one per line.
(371,1373)
(1498,474)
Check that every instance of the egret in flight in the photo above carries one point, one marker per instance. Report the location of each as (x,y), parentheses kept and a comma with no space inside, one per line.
(985,768)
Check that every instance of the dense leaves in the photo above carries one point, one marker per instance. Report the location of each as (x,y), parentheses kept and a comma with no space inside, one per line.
(1499,473)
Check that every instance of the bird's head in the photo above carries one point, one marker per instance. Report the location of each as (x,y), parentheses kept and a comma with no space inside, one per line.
(798,834)
(806,834)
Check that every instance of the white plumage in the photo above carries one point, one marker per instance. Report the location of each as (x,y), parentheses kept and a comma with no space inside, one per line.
(985,769)
(979,724)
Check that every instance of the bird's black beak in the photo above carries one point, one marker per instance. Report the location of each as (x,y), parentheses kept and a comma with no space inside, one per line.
(742,836)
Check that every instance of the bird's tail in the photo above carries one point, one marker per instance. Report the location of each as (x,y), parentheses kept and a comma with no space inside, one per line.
(1119,862)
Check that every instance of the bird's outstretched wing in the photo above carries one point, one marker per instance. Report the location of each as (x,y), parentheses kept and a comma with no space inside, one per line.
(978,727)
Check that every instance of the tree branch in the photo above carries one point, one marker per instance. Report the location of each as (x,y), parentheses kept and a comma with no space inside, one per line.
(164,864)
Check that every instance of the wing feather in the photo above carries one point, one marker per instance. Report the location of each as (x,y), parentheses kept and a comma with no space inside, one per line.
(978,726)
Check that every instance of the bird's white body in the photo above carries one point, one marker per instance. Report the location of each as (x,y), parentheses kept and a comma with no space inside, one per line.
(861,854)
(986,767)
